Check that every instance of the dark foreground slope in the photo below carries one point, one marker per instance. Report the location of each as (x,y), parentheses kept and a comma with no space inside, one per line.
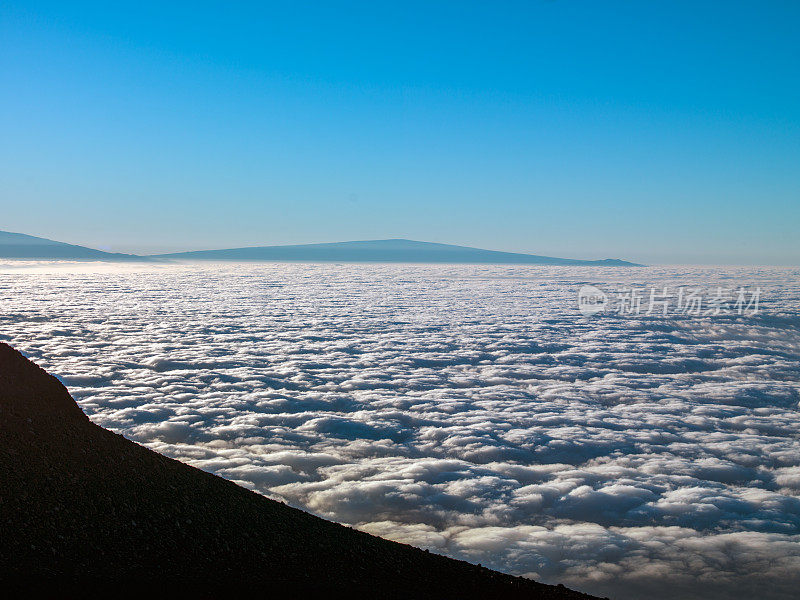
(83,511)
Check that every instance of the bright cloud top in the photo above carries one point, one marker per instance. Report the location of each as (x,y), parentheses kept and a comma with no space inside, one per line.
(469,410)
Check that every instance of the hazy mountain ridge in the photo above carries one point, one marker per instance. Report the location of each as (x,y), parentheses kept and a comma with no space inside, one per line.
(392,250)
(26,247)
(86,511)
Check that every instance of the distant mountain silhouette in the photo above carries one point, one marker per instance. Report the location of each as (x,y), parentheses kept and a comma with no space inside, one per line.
(395,250)
(21,246)
(85,512)
(28,247)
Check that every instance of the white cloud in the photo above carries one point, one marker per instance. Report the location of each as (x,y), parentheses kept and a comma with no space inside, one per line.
(470,410)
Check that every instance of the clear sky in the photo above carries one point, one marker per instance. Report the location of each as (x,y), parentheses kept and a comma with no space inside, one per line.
(658,131)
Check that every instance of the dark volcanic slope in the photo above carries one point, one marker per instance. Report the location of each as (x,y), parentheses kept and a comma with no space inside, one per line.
(82,508)
(398,250)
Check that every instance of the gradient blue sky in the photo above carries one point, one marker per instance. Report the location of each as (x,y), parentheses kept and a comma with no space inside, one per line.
(660,131)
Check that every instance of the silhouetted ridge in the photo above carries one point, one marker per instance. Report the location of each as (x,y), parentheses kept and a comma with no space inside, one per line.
(83,511)
(29,247)
(28,391)
(393,250)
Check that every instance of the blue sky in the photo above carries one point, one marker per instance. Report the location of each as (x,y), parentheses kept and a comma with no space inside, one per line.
(652,131)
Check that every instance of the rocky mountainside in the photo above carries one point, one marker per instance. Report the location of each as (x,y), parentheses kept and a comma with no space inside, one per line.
(85,512)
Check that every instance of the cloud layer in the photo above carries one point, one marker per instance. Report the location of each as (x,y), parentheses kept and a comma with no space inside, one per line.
(469,410)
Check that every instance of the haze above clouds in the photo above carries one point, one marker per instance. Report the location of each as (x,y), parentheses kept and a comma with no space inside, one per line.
(467,409)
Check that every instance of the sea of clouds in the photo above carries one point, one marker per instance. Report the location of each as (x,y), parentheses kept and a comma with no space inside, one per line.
(471,410)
